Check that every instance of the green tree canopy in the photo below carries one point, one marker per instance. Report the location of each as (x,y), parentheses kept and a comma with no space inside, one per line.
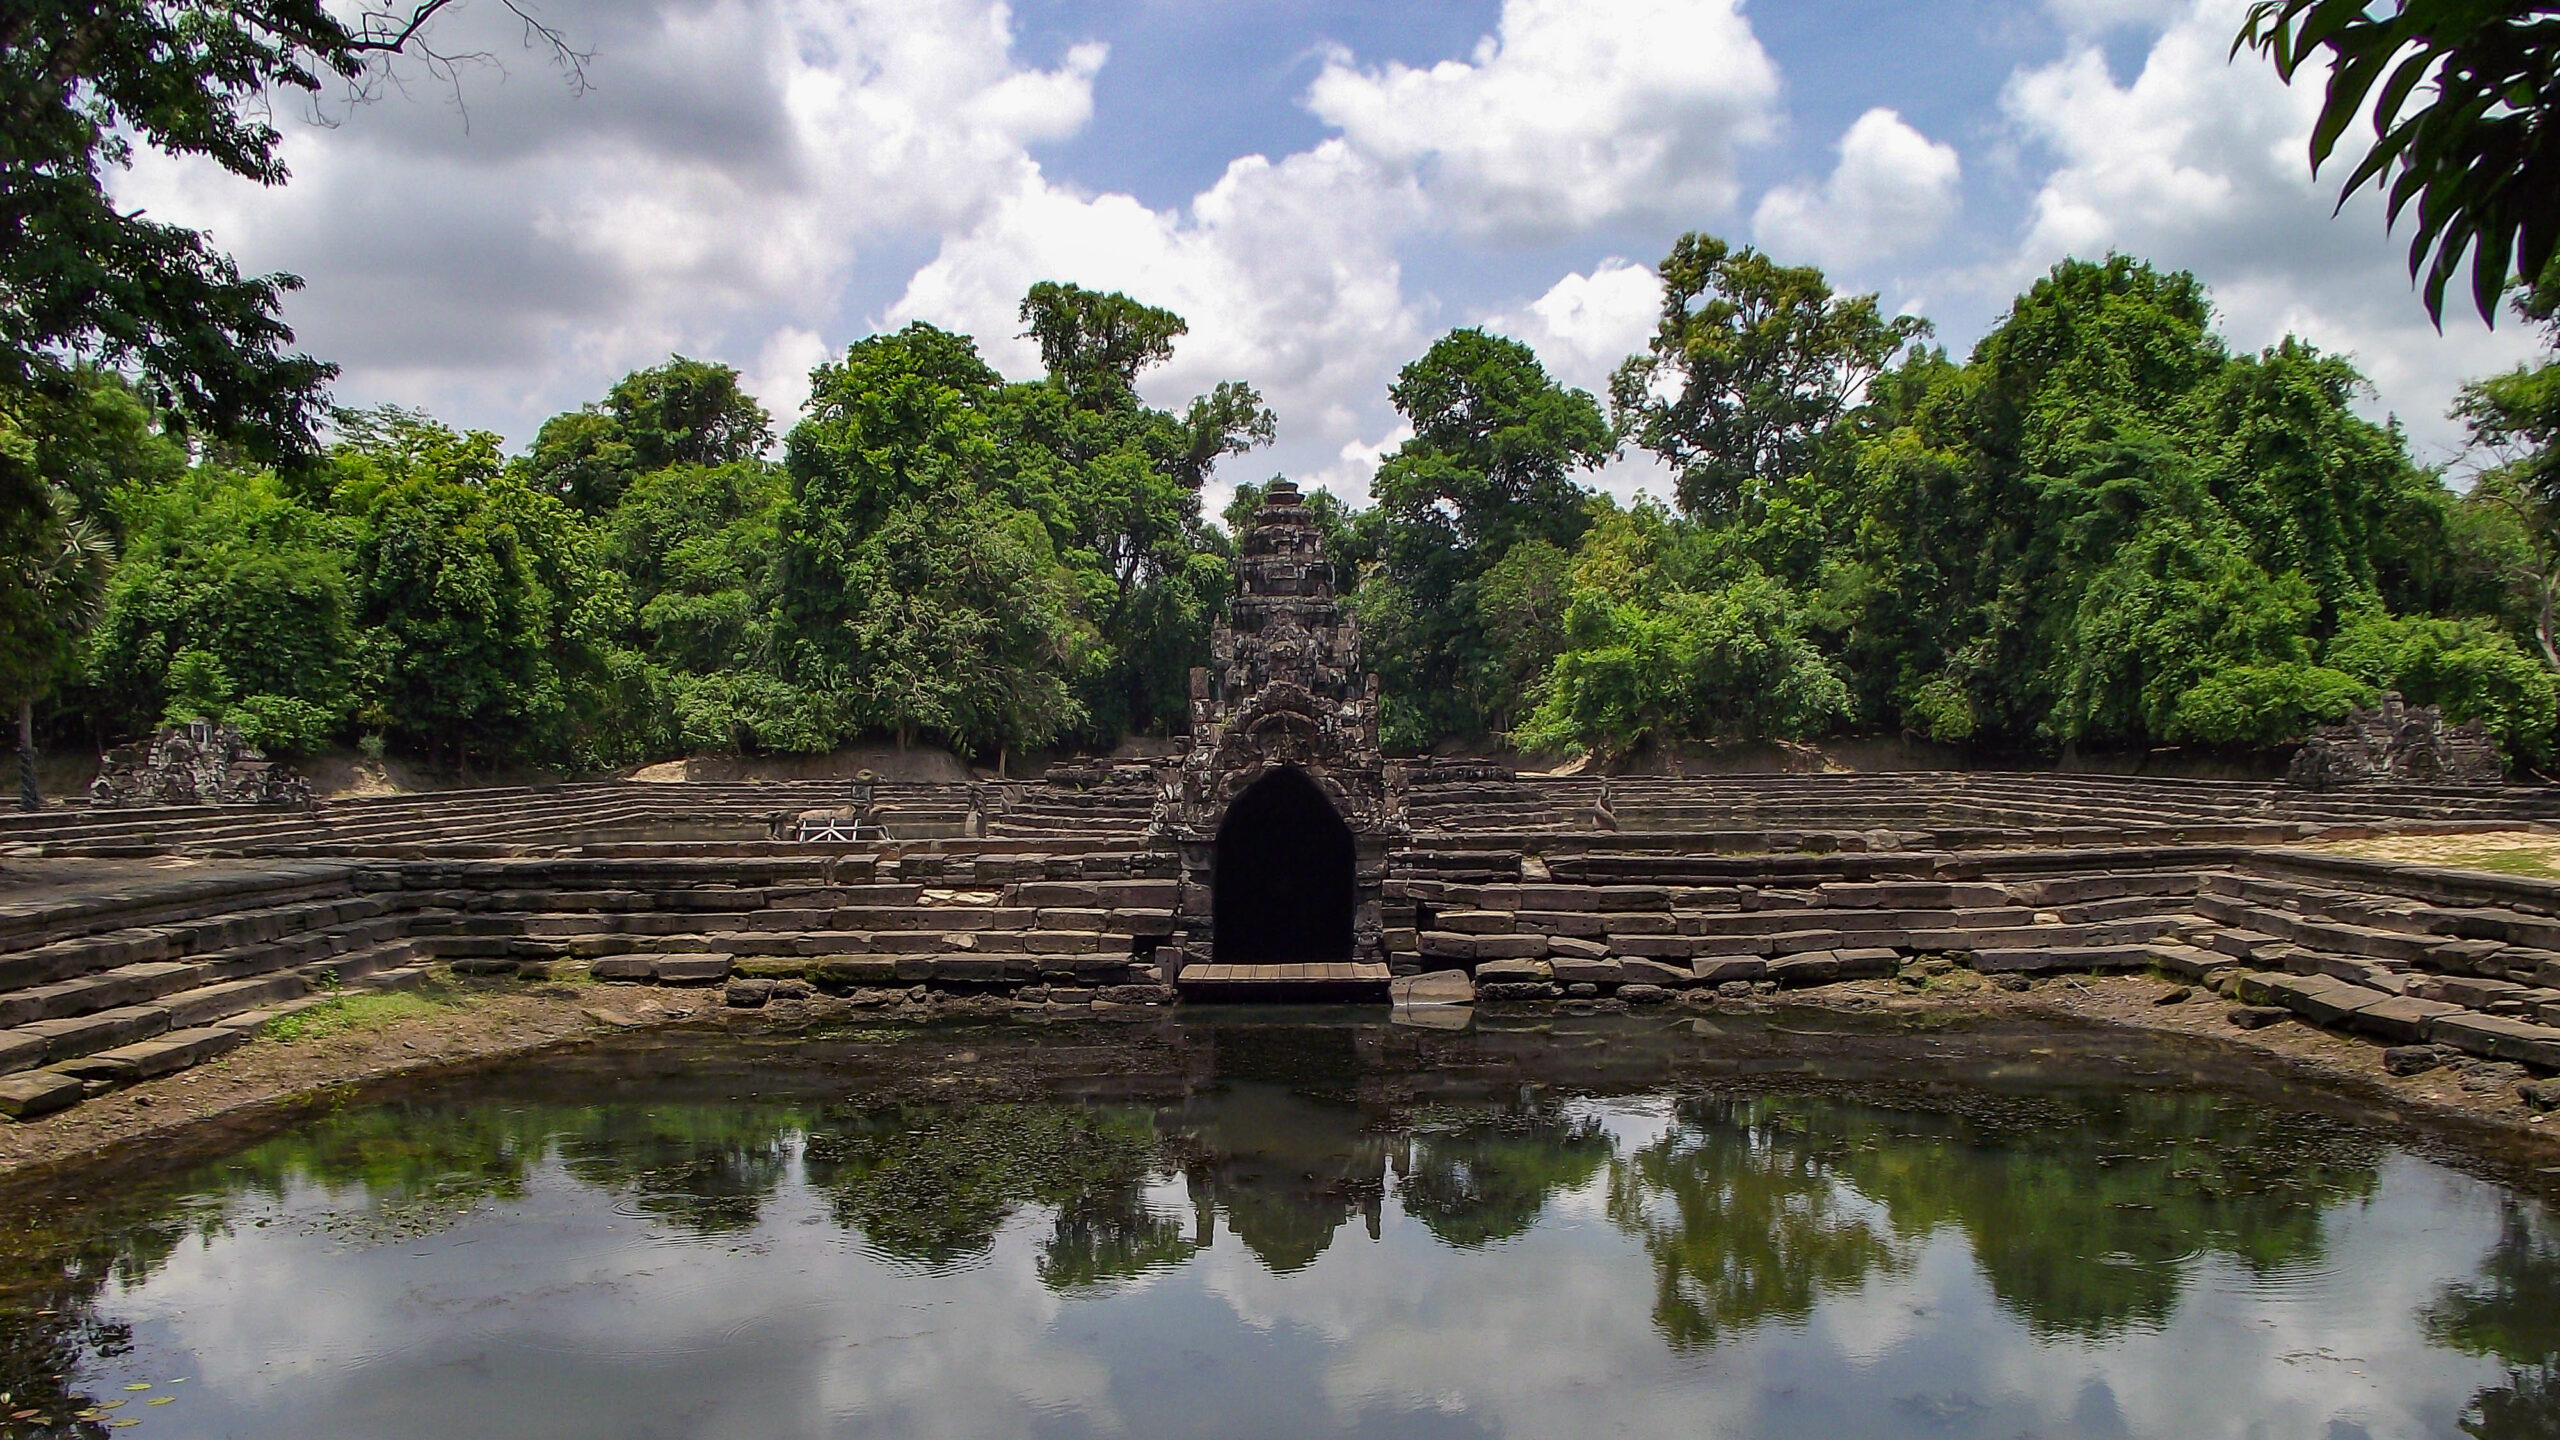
(2102,509)
(1490,467)
(491,620)
(1750,367)
(685,412)
(920,597)
(1095,344)
(234,602)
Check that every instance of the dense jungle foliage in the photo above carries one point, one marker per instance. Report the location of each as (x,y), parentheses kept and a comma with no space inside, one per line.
(2102,530)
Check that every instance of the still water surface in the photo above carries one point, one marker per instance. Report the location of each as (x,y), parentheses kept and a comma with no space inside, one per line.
(1267,1229)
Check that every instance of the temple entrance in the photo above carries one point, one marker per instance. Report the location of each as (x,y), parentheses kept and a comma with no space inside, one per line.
(1283,887)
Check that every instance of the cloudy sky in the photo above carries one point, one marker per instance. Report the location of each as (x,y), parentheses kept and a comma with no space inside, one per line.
(1319,186)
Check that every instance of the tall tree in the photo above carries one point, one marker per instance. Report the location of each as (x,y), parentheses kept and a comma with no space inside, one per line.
(698,547)
(1496,445)
(1118,482)
(1094,343)
(1749,368)
(920,597)
(234,601)
(492,618)
(53,568)
(685,412)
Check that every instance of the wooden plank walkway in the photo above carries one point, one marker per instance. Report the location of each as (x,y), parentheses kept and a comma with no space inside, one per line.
(1314,981)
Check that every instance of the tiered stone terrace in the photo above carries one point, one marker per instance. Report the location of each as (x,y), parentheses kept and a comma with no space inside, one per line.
(137,942)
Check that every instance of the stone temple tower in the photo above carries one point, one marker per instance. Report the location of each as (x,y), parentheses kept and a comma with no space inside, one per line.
(1281,808)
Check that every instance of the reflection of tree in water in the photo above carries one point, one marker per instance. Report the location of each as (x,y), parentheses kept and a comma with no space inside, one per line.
(49,1284)
(457,1155)
(933,1186)
(1474,1177)
(706,1168)
(2511,1313)
(1744,1213)
(2083,1216)
(1110,1236)
(2082,1213)
(403,1161)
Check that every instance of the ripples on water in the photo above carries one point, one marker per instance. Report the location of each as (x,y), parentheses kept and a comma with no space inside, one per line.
(1249,1229)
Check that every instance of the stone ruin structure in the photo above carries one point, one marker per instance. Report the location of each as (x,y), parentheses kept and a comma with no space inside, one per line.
(1281,810)
(198,763)
(1280,858)
(2400,742)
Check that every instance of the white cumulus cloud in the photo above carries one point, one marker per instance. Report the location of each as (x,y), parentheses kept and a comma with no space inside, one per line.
(710,194)
(1285,271)
(1585,324)
(1575,113)
(1894,189)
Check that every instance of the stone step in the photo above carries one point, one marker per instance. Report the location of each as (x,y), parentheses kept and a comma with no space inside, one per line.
(565,901)
(2333,1003)
(44,1042)
(55,1040)
(211,1002)
(157,901)
(26,1095)
(1311,982)
(149,1059)
(347,969)
(2031,959)
(178,940)
(104,990)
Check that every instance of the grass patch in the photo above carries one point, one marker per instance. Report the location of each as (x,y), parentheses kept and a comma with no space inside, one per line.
(2508,861)
(362,1010)
(2536,863)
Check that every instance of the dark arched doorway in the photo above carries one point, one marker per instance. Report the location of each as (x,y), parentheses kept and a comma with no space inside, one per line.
(1283,889)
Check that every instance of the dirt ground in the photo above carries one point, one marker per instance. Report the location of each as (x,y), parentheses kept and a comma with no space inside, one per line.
(2509,852)
(468,1024)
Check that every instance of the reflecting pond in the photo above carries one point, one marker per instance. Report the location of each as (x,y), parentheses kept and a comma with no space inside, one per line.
(1289,1226)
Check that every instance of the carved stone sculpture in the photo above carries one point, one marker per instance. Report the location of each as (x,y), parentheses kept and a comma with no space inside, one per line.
(2400,742)
(198,763)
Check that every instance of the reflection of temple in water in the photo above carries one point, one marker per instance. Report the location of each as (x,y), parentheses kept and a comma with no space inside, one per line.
(1284,1170)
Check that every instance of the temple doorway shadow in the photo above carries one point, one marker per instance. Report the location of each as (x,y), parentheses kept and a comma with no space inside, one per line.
(1282,884)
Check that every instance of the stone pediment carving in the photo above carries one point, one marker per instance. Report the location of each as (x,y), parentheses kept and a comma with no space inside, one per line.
(1284,687)
(198,763)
